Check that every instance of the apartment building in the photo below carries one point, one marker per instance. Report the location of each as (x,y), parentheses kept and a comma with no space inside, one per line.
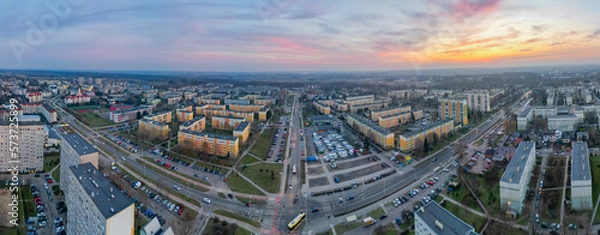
(563,122)
(196,124)
(322,108)
(96,206)
(164,116)
(515,180)
(49,113)
(220,145)
(568,98)
(369,129)
(34,97)
(550,98)
(581,177)
(264,101)
(417,114)
(479,101)
(184,114)
(263,114)
(242,131)
(410,140)
(374,105)
(173,99)
(75,150)
(394,119)
(77,99)
(387,112)
(210,110)
(128,114)
(235,101)
(245,107)
(433,219)
(159,130)
(225,122)
(30,155)
(200,100)
(586,95)
(453,108)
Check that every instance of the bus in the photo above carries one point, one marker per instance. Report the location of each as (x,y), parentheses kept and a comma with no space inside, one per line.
(292,226)
(294,169)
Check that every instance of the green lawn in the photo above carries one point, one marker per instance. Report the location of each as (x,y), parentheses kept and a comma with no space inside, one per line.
(595,167)
(260,174)
(387,229)
(94,120)
(341,228)
(93,107)
(240,185)
(210,228)
(239,217)
(375,213)
(248,159)
(28,203)
(474,220)
(56,175)
(263,144)
(50,161)
(221,195)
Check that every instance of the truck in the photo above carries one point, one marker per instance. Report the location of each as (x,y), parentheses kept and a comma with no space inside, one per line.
(136,184)
(368,221)
(312,158)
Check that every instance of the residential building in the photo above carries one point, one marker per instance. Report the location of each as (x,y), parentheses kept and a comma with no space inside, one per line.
(234,101)
(96,206)
(524,118)
(75,150)
(128,114)
(153,129)
(34,97)
(196,124)
(417,114)
(414,138)
(586,95)
(164,116)
(49,113)
(550,98)
(433,219)
(322,108)
(581,177)
(245,107)
(242,131)
(154,228)
(173,99)
(515,180)
(479,101)
(562,122)
(77,99)
(32,136)
(225,122)
(200,100)
(394,119)
(220,145)
(568,98)
(263,114)
(453,108)
(387,112)
(369,129)
(184,114)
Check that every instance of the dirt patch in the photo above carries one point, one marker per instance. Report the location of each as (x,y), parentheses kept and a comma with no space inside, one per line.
(4,208)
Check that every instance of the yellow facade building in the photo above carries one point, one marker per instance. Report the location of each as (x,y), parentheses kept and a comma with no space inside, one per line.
(369,129)
(242,131)
(454,108)
(225,122)
(160,130)
(165,116)
(410,140)
(388,112)
(196,124)
(322,108)
(220,145)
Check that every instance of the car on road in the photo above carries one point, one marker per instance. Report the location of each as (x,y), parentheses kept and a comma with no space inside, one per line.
(176,187)
(314,209)
(382,216)
(206,200)
(537,217)
(350,197)
(230,195)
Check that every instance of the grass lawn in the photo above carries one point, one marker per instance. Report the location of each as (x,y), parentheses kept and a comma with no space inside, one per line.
(407,224)
(28,203)
(210,228)
(94,120)
(375,213)
(167,189)
(263,144)
(248,159)
(595,167)
(478,142)
(50,161)
(158,169)
(56,175)
(238,217)
(341,228)
(240,185)
(474,220)
(260,174)
(221,195)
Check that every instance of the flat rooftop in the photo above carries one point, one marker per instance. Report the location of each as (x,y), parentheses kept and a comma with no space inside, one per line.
(442,222)
(515,170)
(580,164)
(107,197)
(370,123)
(416,128)
(190,122)
(525,112)
(209,135)
(241,126)
(81,146)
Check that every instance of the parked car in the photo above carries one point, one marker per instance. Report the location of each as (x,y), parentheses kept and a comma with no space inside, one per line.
(206,200)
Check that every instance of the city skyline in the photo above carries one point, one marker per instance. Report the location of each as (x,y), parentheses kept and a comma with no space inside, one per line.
(297,35)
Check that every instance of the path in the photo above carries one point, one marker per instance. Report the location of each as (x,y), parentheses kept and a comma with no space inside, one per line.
(564,192)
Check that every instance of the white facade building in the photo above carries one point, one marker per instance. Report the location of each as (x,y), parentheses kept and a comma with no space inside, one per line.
(581,178)
(433,219)
(515,180)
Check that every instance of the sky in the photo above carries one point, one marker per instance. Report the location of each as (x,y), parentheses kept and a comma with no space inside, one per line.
(294,35)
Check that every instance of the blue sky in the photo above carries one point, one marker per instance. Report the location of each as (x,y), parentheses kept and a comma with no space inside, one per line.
(293,35)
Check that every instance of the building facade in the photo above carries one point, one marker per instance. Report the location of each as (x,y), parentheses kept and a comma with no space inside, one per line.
(32,136)
(220,145)
(456,109)
(322,108)
(225,122)
(159,130)
(479,101)
(433,219)
(196,124)
(369,129)
(242,131)
(563,122)
(408,141)
(515,180)
(387,112)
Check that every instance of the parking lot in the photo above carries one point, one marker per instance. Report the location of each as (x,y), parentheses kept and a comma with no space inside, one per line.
(51,212)
(316,182)
(277,149)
